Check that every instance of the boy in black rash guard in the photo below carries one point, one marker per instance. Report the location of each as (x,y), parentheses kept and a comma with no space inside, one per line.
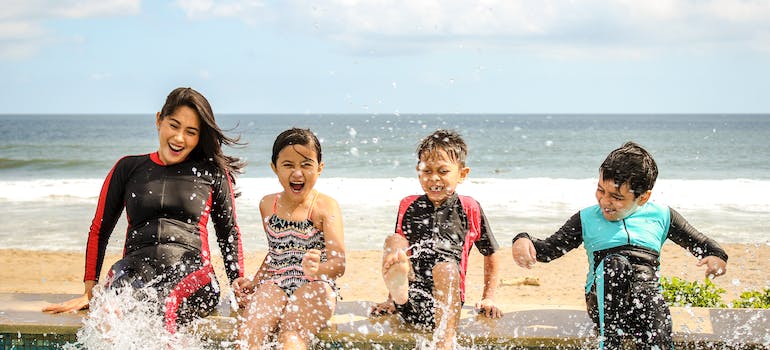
(434,235)
(169,197)
(623,235)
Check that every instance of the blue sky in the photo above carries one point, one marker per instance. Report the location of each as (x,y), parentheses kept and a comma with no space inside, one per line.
(387,57)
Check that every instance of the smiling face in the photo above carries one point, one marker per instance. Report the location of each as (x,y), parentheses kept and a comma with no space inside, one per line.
(618,203)
(439,175)
(297,170)
(178,134)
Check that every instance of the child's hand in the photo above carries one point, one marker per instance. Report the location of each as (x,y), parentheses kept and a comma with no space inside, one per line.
(311,262)
(715,266)
(488,308)
(524,253)
(386,307)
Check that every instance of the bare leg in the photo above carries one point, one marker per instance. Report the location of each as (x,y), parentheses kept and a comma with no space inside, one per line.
(308,311)
(446,291)
(261,315)
(396,267)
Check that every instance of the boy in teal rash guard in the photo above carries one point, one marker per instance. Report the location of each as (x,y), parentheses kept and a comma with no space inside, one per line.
(623,235)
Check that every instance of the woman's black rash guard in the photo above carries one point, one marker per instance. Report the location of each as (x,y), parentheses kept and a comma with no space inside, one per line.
(167,208)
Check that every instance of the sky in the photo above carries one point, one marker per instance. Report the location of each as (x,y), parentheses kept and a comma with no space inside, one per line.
(387,57)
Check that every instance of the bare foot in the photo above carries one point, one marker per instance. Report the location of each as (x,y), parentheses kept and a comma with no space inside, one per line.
(396,275)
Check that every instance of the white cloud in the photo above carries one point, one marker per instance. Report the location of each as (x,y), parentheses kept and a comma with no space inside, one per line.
(542,25)
(47,9)
(22,28)
(13,30)
(247,10)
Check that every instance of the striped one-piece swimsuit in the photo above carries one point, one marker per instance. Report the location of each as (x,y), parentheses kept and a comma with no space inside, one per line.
(287,243)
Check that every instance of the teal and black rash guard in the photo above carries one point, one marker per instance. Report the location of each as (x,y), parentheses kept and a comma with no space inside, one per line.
(166,247)
(645,230)
(622,288)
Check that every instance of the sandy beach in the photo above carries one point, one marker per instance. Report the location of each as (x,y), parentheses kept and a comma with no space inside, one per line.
(560,282)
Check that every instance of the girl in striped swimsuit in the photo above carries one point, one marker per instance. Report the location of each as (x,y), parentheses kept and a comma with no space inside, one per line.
(293,294)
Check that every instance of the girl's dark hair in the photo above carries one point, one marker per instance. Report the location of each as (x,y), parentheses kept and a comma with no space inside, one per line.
(448,141)
(631,164)
(296,136)
(211,136)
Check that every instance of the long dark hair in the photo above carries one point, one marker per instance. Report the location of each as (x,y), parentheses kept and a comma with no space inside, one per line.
(211,136)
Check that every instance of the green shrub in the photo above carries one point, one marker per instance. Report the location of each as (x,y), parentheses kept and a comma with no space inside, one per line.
(679,292)
(753,299)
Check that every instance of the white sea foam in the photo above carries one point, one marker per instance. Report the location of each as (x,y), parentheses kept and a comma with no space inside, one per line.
(56,214)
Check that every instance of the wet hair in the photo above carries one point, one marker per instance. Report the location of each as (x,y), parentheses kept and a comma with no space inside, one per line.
(296,136)
(448,141)
(630,164)
(211,136)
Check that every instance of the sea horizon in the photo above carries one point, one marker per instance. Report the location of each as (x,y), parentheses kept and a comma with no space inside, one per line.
(530,172)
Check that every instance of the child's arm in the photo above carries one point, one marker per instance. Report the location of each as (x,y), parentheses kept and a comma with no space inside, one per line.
(526,250)
(707,250)
(331,222)
(487,305)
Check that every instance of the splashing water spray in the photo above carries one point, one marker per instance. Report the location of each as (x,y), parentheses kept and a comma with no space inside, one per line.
(128,318)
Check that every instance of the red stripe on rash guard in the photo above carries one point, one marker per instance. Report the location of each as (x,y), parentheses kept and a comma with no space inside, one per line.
(405,203)
(237,229)
(204,232)
(184,289)
(92,247)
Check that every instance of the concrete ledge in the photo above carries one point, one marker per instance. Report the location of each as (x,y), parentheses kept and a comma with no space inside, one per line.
(522,326)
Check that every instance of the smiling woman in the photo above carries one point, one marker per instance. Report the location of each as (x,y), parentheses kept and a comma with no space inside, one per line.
(169,196)
(178,134)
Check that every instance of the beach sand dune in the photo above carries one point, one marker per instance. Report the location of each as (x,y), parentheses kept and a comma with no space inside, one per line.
(560,282)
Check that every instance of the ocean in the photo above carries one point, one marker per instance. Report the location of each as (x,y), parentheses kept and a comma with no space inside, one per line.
(529,172)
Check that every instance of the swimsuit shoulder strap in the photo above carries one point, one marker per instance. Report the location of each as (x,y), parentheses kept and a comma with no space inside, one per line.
(275,202)
(312,205)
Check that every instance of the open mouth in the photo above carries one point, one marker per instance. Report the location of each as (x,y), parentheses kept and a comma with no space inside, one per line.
(175,148)
(297,186)
(438,189)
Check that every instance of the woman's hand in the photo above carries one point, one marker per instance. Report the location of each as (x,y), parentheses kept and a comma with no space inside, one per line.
(76,304)
(243,287)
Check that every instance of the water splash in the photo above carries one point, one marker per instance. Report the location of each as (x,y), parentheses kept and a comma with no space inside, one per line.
(127,318)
